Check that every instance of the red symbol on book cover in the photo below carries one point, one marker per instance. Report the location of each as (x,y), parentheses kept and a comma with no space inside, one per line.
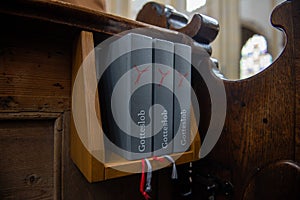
(182,76)
(163,76)
(140,72)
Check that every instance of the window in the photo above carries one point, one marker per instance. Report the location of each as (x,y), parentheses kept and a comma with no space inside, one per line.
(192,5)
(254,56)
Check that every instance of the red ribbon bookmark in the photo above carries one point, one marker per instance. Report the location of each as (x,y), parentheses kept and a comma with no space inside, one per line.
(142,183)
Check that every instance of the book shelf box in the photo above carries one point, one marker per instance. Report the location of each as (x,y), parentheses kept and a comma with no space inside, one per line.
(88,145)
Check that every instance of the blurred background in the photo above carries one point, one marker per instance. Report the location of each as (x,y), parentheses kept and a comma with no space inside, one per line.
(247,43)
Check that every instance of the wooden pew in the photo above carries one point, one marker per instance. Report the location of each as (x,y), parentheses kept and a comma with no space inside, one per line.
(258,152)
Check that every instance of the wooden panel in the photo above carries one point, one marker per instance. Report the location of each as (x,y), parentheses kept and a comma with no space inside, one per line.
(260,121)
(260,125)
(283,177)
(27,159)
(35,66)
(296,25)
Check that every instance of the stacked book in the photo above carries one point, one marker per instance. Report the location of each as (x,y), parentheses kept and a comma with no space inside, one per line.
(145,96)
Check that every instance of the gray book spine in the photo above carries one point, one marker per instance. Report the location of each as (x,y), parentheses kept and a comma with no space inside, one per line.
(163,60)
(126,95)
(141,96)
(182,90)
(113,112)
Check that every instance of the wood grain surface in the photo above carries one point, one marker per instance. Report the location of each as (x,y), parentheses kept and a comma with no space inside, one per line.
(296,29)
(27,159)
(259,130)
(258,150)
